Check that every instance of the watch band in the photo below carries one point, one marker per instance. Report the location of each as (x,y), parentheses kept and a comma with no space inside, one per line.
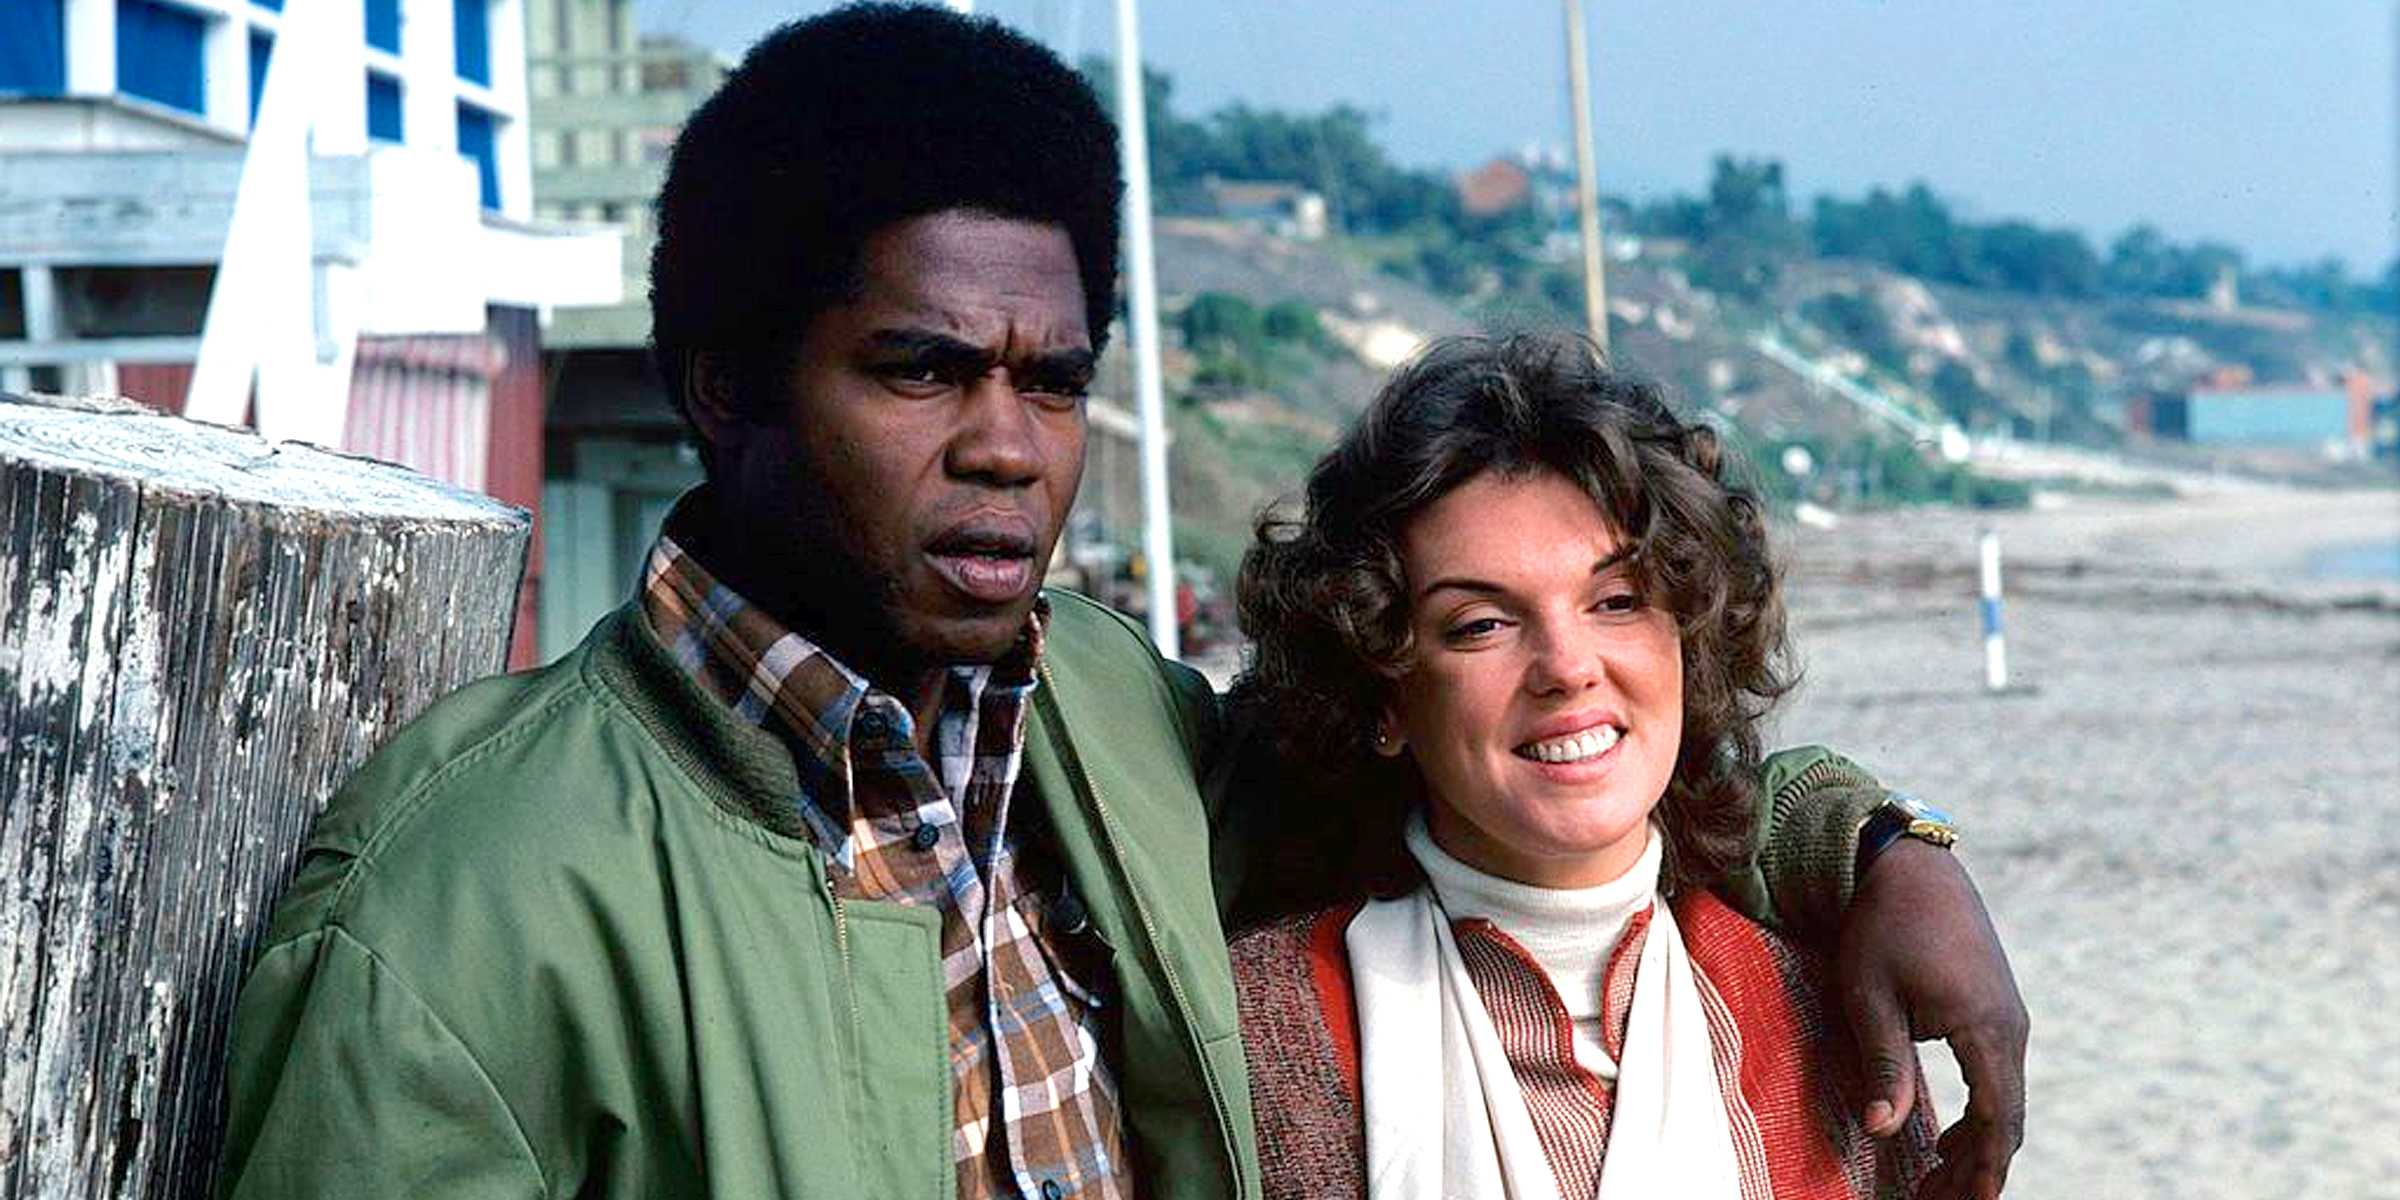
(1901,815)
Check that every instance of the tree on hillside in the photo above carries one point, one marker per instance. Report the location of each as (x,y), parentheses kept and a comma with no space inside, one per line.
(1179,148)
(1333,153)
(2024,257)
(1911,232)
(1858,322)
(2142,262)
(1746,231)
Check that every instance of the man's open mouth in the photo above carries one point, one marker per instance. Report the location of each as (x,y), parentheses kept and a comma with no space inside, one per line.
(989,565)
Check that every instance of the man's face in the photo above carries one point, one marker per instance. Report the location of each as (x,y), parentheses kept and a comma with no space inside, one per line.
(910,484)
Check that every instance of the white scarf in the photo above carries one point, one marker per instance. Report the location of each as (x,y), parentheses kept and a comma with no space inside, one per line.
(1443,1114)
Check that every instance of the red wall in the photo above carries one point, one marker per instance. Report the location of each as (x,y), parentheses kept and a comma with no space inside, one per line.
(160,385)
(513,471)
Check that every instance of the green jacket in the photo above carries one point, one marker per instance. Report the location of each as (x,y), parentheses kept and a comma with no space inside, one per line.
(563,937)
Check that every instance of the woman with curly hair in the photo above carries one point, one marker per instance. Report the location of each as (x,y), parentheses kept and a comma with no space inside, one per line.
(1524,632)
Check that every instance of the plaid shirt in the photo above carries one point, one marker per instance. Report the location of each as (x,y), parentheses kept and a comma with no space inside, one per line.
(1023,1029)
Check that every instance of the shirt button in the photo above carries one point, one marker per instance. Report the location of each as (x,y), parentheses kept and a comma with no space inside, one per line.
(925,837)
(1051,1190)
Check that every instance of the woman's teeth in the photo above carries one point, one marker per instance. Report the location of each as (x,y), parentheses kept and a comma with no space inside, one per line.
(1590,744)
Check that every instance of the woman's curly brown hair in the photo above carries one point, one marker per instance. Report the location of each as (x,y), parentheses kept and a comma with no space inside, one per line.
(1324,596)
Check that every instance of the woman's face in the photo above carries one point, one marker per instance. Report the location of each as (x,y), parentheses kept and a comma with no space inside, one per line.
(1546,702)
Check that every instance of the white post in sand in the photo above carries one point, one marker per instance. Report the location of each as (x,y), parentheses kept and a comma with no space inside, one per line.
(1995,647)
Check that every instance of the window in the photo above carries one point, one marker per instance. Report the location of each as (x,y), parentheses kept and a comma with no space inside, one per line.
(383,107)
(262,48)
(383,24)
(12,304)
(478,139)
(33,57)
(471,29)
(159,54)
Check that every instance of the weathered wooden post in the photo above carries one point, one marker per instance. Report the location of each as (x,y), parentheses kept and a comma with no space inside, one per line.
(201,634)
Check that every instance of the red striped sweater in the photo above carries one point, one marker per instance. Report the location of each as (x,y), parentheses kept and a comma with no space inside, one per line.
(1784,1061)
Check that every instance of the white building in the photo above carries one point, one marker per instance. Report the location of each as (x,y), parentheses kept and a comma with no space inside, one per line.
(123,126)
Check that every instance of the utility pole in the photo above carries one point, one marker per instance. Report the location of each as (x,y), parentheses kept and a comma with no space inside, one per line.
(1141,284)
(1587,186)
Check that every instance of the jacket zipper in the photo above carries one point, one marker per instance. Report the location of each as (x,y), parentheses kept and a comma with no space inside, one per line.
(841,946)
(1183,1004)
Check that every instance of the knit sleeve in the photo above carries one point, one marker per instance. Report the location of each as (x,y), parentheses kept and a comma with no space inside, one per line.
(1800,880)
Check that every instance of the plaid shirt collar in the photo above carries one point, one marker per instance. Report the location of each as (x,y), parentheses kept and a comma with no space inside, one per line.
(782,682)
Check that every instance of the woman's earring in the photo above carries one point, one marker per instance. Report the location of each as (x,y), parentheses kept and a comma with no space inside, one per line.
(1387,745)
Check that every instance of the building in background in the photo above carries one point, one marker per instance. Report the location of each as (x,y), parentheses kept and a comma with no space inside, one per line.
(607,104)
(2336,420)
(1269,206)
(1499,186)
(123,126)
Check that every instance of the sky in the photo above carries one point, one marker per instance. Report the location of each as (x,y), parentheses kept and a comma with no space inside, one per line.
(2267,125)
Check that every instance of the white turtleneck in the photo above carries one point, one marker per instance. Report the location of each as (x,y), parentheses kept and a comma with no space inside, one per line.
(1571,932)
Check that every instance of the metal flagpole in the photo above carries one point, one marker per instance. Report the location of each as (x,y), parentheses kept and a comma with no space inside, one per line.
(1141,282)
(1587,186)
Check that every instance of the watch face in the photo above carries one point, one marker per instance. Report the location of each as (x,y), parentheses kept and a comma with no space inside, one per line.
(1917,809)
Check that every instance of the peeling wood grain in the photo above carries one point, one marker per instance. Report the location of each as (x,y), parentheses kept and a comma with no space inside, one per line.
(201,635)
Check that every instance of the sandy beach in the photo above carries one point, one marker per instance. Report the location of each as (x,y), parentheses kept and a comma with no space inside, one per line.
(2185,817)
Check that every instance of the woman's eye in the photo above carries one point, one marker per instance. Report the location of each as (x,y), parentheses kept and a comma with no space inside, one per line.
(1622,602)
(1470,630)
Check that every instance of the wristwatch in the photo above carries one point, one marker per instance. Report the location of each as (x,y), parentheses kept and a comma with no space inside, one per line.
(1901,815)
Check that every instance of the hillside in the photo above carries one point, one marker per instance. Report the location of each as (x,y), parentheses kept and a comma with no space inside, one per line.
(1859,363)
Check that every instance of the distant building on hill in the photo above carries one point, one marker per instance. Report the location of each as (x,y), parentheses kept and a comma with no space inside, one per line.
(2337,420)
(1272,206)
(1541,180)
(1499,186)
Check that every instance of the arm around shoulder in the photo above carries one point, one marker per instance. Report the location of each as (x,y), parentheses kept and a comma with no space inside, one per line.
(343,1081)
(1811,803)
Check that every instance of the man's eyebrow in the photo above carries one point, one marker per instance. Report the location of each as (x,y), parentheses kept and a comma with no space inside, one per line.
(1610,562)
(1074,363)
(926,343)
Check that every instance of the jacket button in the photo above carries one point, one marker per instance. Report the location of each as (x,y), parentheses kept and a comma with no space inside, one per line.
(1070,915)
(925,837)
(1050,1190)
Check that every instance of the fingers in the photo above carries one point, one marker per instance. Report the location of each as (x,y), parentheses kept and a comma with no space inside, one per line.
(1991,1058)
(1977,1150)
(1967,1170)
(1887,1053)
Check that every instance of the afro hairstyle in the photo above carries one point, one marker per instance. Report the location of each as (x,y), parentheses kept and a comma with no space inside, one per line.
(837,127)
